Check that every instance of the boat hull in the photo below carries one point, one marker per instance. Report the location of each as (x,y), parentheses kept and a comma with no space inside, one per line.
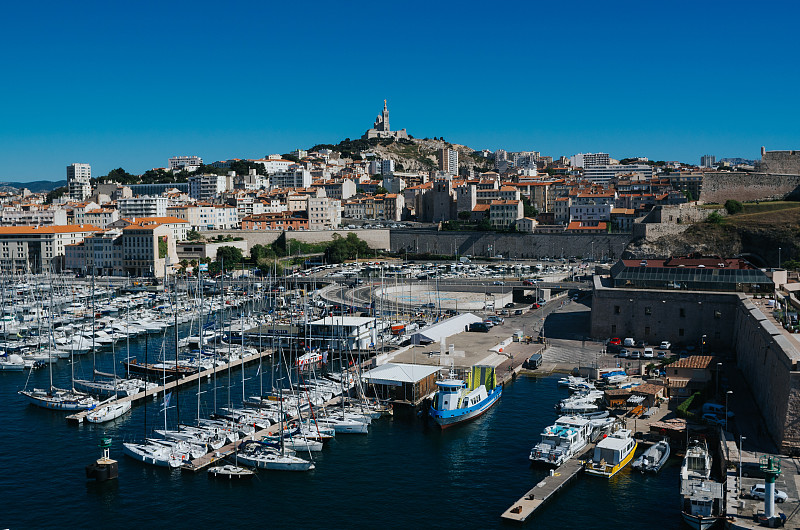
(450,418)
(699,522)
(609,471)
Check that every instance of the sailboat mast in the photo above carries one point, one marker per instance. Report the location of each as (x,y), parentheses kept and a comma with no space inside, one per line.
(94,316)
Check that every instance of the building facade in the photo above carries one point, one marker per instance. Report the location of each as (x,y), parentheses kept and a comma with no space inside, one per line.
(79,186)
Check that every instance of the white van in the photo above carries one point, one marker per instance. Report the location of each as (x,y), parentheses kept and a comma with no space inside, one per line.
(629,342)
(648,353)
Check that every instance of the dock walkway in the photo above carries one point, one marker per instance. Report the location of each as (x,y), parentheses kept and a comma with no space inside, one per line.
(521,510)
(78,417)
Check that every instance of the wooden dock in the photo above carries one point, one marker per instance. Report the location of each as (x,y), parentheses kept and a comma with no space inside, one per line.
(78,417)
(521,510)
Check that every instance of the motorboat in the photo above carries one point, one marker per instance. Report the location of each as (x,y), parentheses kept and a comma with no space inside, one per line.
(108,412)
(612,453)
(562,441)
(652,459)
(697,462)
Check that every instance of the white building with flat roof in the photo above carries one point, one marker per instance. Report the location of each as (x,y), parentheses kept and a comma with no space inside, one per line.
(189,163)
(143,207)
(79,185)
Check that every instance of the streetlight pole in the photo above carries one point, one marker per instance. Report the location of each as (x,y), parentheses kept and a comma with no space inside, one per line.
(779,257)
(740,463)
(728,393)
(719,367)
(702,344)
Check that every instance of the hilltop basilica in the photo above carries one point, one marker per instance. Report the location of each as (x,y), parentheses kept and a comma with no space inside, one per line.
(381,127)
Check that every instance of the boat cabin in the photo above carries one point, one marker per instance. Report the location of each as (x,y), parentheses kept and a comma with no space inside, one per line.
(614,448)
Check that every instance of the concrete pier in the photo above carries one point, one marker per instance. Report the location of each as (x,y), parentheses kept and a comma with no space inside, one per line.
(564,474)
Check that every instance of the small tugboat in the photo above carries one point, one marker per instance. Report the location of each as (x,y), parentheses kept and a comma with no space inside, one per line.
(612,453)
(458,401)
(104,467)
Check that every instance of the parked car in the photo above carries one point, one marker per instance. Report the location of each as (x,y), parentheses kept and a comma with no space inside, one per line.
(665,345)
(635,354)
(510,304)
(489,323)
(648,353)
(623,352)
(481,327)
(629,342)
(615,340)
(496,320)
(533,362)
(758,491)
(504,312)
(498,282)
(527,282)
(517,312)
(752,469)
(536,306)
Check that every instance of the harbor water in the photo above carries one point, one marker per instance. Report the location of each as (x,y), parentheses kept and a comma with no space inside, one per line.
(403,474)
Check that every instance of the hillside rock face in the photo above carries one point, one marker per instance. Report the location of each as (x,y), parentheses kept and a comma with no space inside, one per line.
(421,155)
(759,244)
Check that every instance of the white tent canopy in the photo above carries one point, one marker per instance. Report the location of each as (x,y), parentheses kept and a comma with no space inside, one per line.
(396,374)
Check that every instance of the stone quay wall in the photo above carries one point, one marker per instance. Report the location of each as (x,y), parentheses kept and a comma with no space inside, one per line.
(721,186)
(375,238)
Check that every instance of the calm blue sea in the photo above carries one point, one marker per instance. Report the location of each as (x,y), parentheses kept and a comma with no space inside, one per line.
(403,474)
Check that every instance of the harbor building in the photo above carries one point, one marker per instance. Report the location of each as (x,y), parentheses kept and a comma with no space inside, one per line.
(187,163)
(345,332)
(707,307)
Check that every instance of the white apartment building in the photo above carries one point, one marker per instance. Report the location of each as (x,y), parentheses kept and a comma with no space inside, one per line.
(206,187)
(32,215)
(323,212)
(604,173)
(585,160)
(145,250)
(79,185)
(102,254)
(298,178)
(448,161)
(143,207)
(274,165)
(189,163)
(341,189)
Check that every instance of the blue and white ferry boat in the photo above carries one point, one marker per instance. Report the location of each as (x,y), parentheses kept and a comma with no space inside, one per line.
(455,402)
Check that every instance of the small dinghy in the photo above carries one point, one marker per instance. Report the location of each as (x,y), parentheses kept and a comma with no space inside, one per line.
(652,459)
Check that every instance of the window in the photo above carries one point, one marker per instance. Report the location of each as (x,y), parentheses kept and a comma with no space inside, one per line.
(647,330)
(680,332)
(613,329)
(616,310)
(682,312)
(648,311)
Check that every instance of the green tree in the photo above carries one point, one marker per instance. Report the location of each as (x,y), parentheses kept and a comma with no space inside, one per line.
(344,248)
(259,252)
(380,190)
(55,194)
(464,215)
(732,206)
(484,224)
(163,247)
(714,218)
(791,264)
(688,195)
(194,235)
(230,256)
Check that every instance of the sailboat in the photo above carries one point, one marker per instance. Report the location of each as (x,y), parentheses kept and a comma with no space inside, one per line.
(58,398)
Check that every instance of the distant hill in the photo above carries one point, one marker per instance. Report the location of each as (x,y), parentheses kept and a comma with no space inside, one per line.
(35,186)
(737,161)
(414,154)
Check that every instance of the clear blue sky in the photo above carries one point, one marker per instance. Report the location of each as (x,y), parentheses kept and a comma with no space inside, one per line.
(132,83)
